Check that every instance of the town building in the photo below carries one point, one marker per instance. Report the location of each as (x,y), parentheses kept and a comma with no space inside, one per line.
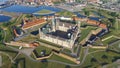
(70,1)
(37,2)
(93,1)
(29,25)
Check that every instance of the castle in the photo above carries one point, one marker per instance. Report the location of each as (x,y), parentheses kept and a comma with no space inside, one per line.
(62,31)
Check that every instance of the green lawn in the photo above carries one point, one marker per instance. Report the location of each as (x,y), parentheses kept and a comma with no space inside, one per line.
(9,35)
(113,65)
(8,51)
(115,47)
(50,43)
(22,59)
(29,63)
(40,48)
(113,31)
(93,50)
(55,65)
(109,40)
(66,13)
(44,11)
(67,50)
(101,58)
(118,25)
(58,58)
(88,56)
(86,31)
(82,53)
(6,63)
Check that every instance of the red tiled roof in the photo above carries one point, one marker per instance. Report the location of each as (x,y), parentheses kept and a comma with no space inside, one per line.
(33,23)
(103,26)
(92,22)
(15,32)
(97,24)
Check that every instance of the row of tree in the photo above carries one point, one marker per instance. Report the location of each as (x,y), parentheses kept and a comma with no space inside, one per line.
(1,35)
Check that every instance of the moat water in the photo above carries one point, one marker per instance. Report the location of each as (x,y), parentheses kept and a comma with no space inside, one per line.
(4,18)
(32,10)
(27,9)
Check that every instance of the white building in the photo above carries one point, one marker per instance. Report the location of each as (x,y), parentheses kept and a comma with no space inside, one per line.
(61,32)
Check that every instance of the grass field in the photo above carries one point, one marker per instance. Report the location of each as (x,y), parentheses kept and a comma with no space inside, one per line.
(25,62)
(8,51)
(50,43)
(58,58)
(39,49)
(113,65)
(29,63)
(82,53)
(115,47)
(6,63)
(85,32)
(100,58)
(44,11)
(55,65)
(109,40)
(6,54)
(113,31)
(66,13)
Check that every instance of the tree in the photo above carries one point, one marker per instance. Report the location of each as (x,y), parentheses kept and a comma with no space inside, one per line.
(93,60)
(62,0)
(1,35)
(113,14)
(104,57)
(106,21)
(86,12)
(112,20)
(67,66)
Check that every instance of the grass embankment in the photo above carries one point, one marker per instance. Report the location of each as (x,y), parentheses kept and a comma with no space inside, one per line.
(7,54)
(66,13)
(8,50)
(44,11)
(6,62)
(40,48)
(109,40)
(99,58)
(25,62)
(115,47)
(61,59)
(85,32)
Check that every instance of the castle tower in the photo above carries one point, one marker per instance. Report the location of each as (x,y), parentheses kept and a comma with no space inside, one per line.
(71,43)
(57,21)
(53,24)
(79,24)
(40,34)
